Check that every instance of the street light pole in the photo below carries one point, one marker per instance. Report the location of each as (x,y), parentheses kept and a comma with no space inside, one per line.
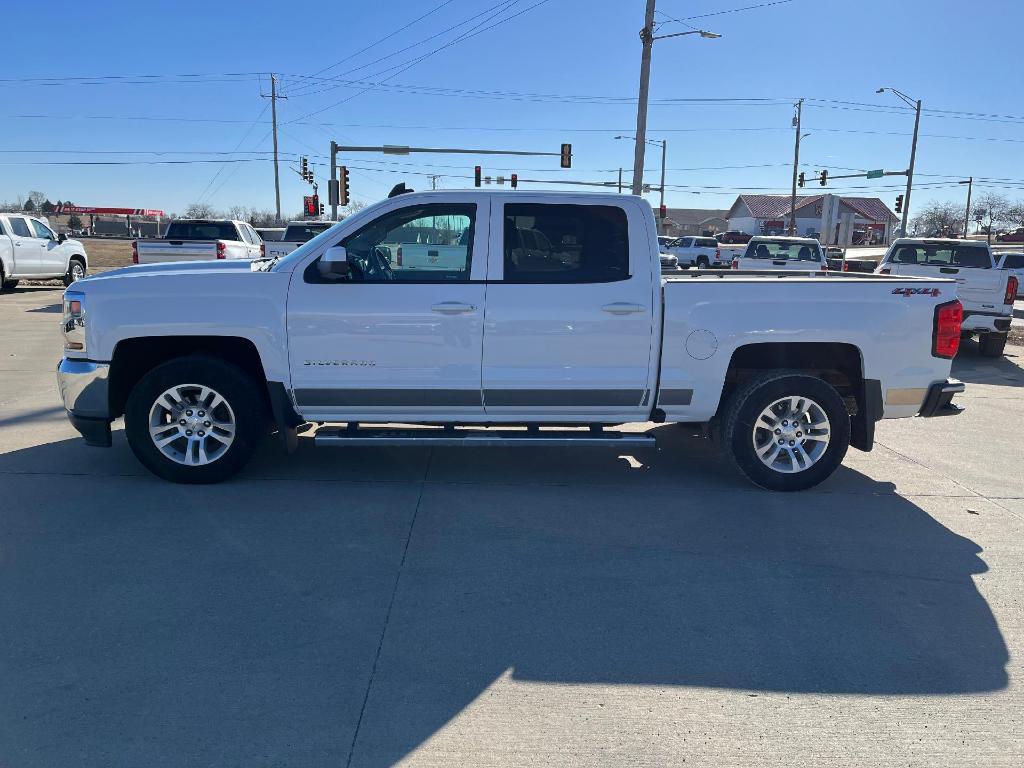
(647,41)
(664,151)
(910,170)
(967,213)
(796,167)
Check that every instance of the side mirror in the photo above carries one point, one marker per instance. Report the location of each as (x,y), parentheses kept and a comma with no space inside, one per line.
(61,237)
(333,265)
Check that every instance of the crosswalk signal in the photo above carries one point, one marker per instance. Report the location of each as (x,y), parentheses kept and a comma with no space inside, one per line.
(343,199)
(566,156)
(824,178)
(514,180)
(899,203)
(477,171)
(800,181)
(308,205)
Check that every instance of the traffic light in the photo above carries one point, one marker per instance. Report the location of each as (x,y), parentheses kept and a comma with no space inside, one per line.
(800,181)
(824,178)
(321,209)
(514,180)
(899,203)
(476,175)
(663,211)
(566,156)
(304,168)
(344,185)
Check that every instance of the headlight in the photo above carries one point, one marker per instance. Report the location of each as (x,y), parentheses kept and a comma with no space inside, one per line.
(74,322)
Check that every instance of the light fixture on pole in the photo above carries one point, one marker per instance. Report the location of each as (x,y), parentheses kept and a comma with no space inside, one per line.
(913,151)
(647,38)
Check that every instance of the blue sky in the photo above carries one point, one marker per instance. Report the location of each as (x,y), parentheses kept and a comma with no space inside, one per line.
(955,57)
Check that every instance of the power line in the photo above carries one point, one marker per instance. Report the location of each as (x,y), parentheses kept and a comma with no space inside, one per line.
(684,19)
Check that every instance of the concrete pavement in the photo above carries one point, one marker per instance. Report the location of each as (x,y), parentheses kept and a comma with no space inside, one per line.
(502,608)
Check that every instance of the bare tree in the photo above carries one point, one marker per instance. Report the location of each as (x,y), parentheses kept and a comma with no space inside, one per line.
(1015,214)
(199,211)
(37,199)
(993,208)
(937,217)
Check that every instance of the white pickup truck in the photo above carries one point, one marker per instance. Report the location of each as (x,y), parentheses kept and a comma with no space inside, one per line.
(986,292)
(796,253)
(700,252)
(29,250)
(789,369)
(295,234)
(200,240)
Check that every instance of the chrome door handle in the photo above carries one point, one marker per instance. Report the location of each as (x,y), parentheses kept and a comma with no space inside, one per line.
(452,308)
(622,308)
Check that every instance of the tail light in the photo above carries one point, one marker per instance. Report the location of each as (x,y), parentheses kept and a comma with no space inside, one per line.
(263,250)
(398,257)
(1011,289)
(735,263)
(846,267)
(946,330)
(135,252)
(718,254)
(222,249)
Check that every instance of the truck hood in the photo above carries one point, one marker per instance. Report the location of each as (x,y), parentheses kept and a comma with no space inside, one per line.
(175,268)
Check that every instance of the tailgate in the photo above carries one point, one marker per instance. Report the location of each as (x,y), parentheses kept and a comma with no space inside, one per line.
(171,250)
(980,290)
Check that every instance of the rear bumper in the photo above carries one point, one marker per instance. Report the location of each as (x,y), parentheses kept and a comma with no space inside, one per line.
(84,388)
(985,321)
(939,401)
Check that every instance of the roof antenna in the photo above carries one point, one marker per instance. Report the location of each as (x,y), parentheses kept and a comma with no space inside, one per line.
(399,189)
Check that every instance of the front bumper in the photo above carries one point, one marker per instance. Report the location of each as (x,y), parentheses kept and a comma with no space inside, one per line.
(939,401)
(84,388)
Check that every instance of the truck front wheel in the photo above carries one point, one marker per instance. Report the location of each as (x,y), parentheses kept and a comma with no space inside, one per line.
(194,420)
(787,431)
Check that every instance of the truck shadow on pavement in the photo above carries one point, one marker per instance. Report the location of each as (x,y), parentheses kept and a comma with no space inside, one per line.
(970,367)
(294,622)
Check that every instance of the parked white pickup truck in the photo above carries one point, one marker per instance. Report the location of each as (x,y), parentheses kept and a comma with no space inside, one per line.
(701,252)
(200,240)
(987,293)
(796,253)
(788,368)
(295,234)
(29,250)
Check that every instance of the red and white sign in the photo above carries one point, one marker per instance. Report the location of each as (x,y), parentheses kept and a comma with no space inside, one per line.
(62,208)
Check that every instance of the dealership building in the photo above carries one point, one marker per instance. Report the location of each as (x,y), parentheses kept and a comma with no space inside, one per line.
(832,219)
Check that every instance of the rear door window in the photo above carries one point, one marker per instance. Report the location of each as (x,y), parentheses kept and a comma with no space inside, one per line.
(707,242)
(20,227)
(1014,261)
(550,243)
(941,255)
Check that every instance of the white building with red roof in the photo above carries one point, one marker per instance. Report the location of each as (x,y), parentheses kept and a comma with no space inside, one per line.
(833,219)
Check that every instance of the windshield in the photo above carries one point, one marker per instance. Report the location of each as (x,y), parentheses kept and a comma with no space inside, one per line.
(942,255)
(783,249)
(201,230)
(303,232)
(310,245)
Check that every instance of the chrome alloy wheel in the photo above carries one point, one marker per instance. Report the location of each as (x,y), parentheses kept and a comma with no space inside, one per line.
(791,434)
(192,424)
(77,270)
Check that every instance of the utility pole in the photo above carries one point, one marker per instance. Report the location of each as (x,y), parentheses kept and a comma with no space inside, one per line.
(967,213)
(796,168)
(910,171)
(273,116)
(620,181)
(334,180)
(664,151)
(647,41)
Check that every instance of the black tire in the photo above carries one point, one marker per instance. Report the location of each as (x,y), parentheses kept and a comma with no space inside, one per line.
(747,404)
(69,278)
(992,344)
(702,262)
(237,388)
(5,284)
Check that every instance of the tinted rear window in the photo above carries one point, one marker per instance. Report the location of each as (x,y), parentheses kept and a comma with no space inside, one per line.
(1014,261)
(782,249)
(201,230)
(303,232)
(940,255)
(707,242)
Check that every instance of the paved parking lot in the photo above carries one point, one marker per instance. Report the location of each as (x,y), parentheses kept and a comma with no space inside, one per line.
(500,608)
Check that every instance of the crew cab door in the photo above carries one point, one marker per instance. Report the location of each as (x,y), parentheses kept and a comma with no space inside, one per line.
(570,321)
(390,342)
(26,249)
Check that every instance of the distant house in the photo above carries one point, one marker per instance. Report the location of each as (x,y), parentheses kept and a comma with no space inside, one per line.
(691,221)
(833,219)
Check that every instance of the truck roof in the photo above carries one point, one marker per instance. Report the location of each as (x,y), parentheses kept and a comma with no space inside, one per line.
(939,240)
(785,238)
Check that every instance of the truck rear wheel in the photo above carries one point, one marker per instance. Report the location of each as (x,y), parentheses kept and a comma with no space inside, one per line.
(76,271)
(194,420)
(992,344)
(787,431)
